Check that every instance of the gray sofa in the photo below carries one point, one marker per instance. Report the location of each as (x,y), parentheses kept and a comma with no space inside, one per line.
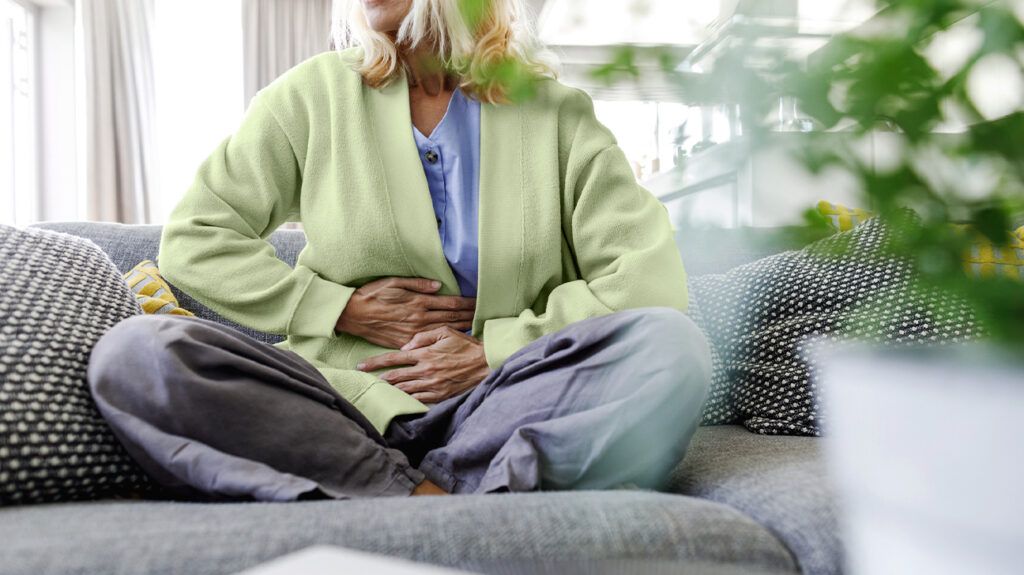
(738,503)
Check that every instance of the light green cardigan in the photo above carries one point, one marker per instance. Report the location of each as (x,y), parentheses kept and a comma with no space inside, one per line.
(565,231)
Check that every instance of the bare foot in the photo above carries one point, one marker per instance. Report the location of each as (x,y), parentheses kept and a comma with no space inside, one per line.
(428,488)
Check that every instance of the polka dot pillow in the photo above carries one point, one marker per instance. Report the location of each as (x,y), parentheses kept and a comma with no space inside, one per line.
(758,316)
(58,295)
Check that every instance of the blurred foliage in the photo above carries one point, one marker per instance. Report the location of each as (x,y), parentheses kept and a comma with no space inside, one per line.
(515,80)
(886,78)
(474,12)
(953,157)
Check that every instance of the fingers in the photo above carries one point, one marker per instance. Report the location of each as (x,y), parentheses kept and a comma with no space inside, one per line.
(423,339)
(457,326)
(432,336)
(429,397)
(397,376)
(387,360)
(425,391)
(445,317)
(450,302)
(421,285)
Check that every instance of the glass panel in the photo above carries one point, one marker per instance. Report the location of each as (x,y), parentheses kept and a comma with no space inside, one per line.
(199,89)
(18,193)
(658,136)
(25,167)
(585,22)
(838,11)
(6,114)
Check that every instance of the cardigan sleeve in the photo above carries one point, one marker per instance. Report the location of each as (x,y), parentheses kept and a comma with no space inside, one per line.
(620,236)
(214,245)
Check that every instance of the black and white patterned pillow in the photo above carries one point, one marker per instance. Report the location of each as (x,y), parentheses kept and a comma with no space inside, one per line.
(58,295)
(758,316)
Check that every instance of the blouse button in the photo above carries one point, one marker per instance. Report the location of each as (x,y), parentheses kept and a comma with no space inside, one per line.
(431,156)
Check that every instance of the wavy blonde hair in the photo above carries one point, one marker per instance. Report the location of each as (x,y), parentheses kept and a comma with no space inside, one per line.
(482,57)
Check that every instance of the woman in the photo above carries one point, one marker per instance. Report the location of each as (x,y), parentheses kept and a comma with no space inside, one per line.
(487,300)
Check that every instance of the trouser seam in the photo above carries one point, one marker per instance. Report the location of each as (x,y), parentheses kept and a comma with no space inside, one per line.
(452,482)
(397,475)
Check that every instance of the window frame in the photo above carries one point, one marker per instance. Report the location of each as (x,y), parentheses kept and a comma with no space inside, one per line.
(22,177)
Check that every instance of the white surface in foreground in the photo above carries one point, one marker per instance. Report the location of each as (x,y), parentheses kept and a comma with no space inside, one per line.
(328,560)
(926,451)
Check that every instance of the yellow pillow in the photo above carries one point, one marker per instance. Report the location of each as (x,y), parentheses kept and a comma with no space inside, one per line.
(983,259)
(842,218)
(152,292)
(987,259)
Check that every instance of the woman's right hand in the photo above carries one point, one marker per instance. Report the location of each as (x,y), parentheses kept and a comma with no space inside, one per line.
(390,311)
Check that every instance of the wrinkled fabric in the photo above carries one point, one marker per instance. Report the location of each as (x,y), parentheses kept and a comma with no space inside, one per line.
(606,402)
(208,412)
(211,413)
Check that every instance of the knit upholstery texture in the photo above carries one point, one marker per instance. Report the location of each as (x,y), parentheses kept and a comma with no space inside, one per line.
(58,295)
(769,322)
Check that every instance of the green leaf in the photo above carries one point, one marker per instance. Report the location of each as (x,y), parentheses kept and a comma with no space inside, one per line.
(473,12)
(993,223)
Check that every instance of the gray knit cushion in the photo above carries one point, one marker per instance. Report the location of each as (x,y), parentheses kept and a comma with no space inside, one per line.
(58,295)
(580,532)
(127,245)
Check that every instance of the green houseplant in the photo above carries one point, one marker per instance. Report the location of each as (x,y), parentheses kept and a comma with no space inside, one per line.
(957,158)
(957,162)
(919,440)
(922,443)
(888,72)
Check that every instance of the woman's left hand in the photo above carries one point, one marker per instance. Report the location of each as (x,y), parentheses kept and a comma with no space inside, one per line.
(442,362)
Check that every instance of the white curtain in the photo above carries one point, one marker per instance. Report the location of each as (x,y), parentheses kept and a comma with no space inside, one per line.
(119,96)
(280,34)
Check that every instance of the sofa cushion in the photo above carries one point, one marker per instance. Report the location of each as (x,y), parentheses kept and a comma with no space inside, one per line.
(759,316)
(487,533)
(703,251)
(781,482)
(128,245)
(58,295)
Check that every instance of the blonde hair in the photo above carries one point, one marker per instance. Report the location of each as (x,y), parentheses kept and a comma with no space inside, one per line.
(481,57)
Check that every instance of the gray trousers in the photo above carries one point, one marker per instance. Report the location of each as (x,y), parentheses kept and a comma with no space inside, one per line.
(211,413)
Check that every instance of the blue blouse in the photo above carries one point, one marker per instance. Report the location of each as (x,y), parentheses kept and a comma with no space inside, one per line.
(451,162)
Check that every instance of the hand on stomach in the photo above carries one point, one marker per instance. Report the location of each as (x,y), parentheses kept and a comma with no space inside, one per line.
(390,311)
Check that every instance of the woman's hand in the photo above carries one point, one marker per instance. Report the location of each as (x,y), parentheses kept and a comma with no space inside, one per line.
(443,363)
(390,311)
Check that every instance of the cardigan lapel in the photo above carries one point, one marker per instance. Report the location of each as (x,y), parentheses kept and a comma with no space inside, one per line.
(408,193)
(500,219)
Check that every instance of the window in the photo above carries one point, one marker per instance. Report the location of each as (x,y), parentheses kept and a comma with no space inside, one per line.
(648,131)
(199,89)
(18,190)
(653,133)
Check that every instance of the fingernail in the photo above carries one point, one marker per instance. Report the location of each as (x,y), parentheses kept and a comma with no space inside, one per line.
(435,284)
(360,366)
